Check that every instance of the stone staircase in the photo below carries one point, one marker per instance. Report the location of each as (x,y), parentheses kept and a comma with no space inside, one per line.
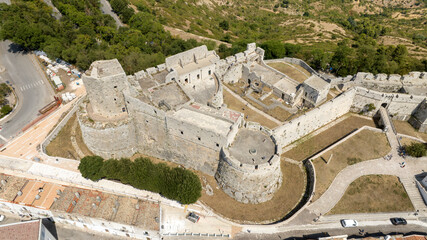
(413,193)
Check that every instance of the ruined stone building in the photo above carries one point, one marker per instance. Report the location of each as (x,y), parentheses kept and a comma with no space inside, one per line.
(175,111)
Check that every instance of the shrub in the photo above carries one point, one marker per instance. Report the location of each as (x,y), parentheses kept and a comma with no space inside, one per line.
(416,149)
(5,110)
(91,167)
(174,183)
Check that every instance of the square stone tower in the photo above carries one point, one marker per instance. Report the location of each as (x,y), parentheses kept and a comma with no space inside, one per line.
(105,81)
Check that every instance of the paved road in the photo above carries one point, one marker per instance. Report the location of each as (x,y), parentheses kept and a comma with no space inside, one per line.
(5,1)
(380,230)
(31,86)
(106,9)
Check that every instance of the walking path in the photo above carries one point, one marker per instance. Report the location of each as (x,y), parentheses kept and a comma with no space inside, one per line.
(377,166)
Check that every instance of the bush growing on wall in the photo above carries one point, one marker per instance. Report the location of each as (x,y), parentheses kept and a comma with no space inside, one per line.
(174,183)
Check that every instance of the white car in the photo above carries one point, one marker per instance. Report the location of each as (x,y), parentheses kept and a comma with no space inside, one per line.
(349,223)
(2,217)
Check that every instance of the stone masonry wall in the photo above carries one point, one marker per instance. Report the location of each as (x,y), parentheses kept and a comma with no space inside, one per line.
(248,184)
(401,106)
(106,94)
(159,136)
(111,141)
(314,119)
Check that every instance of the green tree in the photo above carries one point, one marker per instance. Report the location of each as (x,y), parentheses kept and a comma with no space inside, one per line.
(224,25)
(91,167)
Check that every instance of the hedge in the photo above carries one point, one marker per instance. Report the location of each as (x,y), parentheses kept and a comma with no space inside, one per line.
(174,183)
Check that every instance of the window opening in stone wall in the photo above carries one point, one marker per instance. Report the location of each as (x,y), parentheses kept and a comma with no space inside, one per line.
(209,72)
(198,76)
(182,132)
(256,166)
(186,80)
(173,79)
(283,96)
(114,99)
(217,144)
(115,86)
(199,138)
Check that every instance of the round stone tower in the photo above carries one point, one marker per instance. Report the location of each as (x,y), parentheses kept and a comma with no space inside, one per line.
(249,169)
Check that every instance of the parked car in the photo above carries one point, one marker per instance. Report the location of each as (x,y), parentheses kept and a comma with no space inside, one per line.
(349,223)
(398,221)
(193,217)
(2,217)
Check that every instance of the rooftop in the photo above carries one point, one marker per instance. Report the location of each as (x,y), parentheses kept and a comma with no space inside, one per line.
(274,78)
(204,121)
(114,208)
(21,230)
(169,94)
(38,194)
(105,68)
(316,82)
(252,147)
(190,67)
(83,202)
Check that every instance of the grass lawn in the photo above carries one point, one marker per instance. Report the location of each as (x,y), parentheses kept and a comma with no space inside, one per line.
(363,146)
(61,146)
(307,146)
(234,104)
(373,194)
(406,128)
(291,70)
(285,199)
(407,141)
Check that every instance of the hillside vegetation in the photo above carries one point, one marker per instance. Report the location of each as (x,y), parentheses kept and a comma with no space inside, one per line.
(334,35)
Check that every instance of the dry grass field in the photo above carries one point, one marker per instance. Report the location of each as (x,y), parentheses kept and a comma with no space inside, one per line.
(374,194)
(310,145)
(291,70)
(234,104)
(284,200)
(365,145)
(61,146)
(406,128)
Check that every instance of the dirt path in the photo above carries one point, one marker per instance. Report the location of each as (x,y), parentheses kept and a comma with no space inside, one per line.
(186,35)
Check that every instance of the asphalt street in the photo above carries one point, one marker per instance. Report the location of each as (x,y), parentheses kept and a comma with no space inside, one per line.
(368,231)
(30,84)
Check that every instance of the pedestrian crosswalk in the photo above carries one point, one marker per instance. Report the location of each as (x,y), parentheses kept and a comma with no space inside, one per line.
(31,85)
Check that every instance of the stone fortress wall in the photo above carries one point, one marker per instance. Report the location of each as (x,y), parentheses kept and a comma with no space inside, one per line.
(200,135)
(314,119)
(247,181)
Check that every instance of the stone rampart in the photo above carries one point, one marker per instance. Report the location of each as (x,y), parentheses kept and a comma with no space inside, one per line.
(248,183)
(400,106)
(112,140)
(301,63)
(159,135)
(314,119)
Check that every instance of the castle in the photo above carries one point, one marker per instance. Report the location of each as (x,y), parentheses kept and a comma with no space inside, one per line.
(175,111)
